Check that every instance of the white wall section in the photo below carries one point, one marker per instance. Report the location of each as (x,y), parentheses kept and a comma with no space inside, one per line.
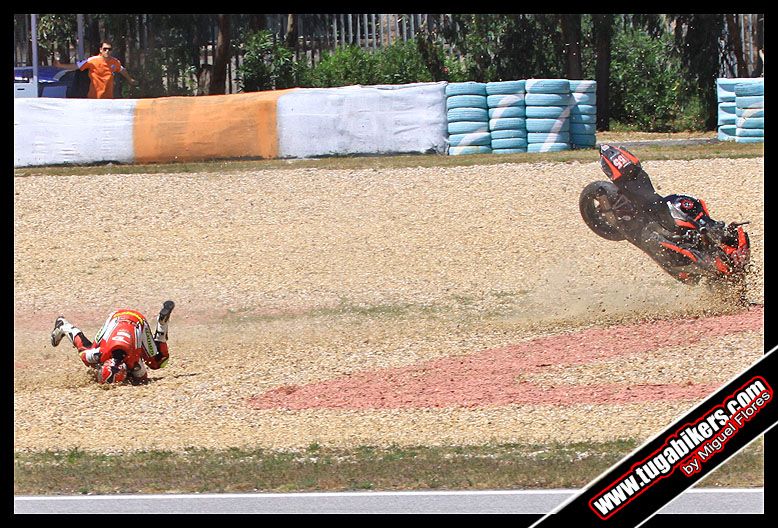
(384,119)
(49,131)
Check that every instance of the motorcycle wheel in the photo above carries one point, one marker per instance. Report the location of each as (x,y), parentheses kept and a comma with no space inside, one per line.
(590,210)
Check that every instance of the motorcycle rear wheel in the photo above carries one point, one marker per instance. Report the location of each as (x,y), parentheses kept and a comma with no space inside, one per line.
(590,209)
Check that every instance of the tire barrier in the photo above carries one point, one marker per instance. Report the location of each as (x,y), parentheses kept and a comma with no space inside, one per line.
(458,151)
(548,137)
(585,86)
(466,102)
(583,118)
(551,99)
(476,139)
(751,122)
(507,116)
(546,86)
(503,100)
(505,87)
(583,114)
(509,134)
(587,98)
(725,87)
(507,111)
(467,127)
(749,132)
(510,151)
(467,114)
(727,132)
(549,112)
(748,109)
(548,125)
(548,147)
(509,143)
(465,88)
(508,123)
(583,129)
(727,113)
(583,140)
(748,112)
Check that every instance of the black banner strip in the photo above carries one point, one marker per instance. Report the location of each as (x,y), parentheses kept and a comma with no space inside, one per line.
(642,483)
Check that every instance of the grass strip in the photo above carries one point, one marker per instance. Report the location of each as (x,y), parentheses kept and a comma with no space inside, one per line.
(318,468)
(724,149)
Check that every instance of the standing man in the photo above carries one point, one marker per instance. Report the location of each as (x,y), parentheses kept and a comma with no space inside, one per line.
(101,69)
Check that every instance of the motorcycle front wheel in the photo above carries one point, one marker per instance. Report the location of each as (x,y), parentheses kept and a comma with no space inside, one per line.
(590,209)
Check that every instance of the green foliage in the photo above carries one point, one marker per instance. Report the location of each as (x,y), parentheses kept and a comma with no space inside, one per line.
(647,89)
(344,67)
(267,65)
(402,63)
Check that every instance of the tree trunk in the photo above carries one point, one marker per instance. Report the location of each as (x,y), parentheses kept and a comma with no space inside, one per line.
(603,31)
(221,57)
(571,35)
(733,31)
(92,37)
(290,38)
(759,43)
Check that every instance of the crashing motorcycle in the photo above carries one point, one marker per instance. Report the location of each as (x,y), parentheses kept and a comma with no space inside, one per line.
(676,231)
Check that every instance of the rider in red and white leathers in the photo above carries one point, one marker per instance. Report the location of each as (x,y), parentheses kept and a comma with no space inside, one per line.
(124,347)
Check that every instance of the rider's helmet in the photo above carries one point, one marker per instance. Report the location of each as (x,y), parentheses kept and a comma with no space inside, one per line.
(112,371)
(617,162)
(689,212)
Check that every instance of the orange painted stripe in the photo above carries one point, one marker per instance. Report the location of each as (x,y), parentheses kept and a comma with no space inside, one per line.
(169,129)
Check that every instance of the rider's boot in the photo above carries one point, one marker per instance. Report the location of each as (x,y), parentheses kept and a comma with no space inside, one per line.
(160,333)
(63,328)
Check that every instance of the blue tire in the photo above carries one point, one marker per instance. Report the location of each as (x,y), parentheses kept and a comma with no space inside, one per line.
(476,139)
(549,112)
(584,86)
(508,123)
(749,140)
(547,147)
(510,151)
(509,134)
(583,118)
(458,151)
(466,88)
(541,137)
(507,111)
(585,98)
(726,113)
(547,86)
(468,127)
(749,132)
(548,125)
(583,109)
(465,101)
(467,114)
(499,101)
(749,89)
(511,143)
(727,133)
(505,87)
(750,101)
(582,128)
(583,140)
(749,112)
(752,122)
(550,99)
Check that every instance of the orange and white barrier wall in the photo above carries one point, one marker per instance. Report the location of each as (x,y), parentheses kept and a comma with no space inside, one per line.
(274,124)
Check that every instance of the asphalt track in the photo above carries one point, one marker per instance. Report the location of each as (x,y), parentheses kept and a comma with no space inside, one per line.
(695,501)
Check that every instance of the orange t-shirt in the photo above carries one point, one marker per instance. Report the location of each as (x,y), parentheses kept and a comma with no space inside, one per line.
(101,72)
